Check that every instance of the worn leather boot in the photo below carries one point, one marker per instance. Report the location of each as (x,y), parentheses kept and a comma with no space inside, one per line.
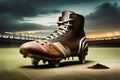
(68,40)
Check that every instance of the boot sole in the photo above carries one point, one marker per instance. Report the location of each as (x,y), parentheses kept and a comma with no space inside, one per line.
(52,61)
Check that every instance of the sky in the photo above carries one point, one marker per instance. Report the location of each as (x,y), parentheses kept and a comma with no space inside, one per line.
(39,17)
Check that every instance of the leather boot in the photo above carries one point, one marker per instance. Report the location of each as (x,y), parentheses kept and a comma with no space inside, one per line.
(68,40)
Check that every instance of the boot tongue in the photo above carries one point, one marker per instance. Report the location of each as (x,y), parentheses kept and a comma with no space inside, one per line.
(66,15)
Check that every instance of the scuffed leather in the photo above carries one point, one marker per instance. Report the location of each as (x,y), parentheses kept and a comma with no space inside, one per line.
(43,48)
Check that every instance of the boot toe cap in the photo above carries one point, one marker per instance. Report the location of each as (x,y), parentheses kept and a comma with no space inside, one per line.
(40,50)
(30,48)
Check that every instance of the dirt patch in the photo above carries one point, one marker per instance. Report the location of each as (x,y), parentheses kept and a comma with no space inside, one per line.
(99,66)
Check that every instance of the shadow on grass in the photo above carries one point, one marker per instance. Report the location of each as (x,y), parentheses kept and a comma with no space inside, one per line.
(62,64)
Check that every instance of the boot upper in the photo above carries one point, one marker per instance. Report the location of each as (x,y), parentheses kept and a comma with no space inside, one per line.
(66,40)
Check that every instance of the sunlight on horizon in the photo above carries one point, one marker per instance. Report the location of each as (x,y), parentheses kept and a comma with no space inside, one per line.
(102,35)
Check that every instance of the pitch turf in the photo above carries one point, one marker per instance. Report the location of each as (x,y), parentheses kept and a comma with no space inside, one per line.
(14,67)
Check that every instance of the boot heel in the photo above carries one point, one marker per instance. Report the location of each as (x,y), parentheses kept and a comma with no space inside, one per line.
(81,60)
(82,56)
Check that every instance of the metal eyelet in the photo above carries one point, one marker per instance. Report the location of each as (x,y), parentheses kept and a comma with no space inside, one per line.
(37,41)
(42,44)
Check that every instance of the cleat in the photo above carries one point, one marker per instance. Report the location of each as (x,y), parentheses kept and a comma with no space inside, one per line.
(24,56)
(68,40)
(68,58)
(35,61)
(72,58)
(81,60)
(54,63)
(44,61)
(57,65)
(64,58)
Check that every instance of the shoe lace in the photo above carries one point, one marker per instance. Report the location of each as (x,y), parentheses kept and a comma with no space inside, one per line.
(62,29)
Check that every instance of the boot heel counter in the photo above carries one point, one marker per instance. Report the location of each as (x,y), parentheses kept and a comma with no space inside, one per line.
(83,45)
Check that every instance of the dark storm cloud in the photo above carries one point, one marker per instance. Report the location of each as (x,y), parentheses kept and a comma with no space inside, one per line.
(105,17)
(29,8)
(22,27)
(24,7)
(105,10)
(13,11)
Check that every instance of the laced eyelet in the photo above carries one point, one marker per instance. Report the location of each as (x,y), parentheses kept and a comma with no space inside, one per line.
(57,38)
(37,41)
(42,44)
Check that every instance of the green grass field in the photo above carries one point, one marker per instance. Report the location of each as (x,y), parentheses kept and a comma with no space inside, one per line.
(14,67)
